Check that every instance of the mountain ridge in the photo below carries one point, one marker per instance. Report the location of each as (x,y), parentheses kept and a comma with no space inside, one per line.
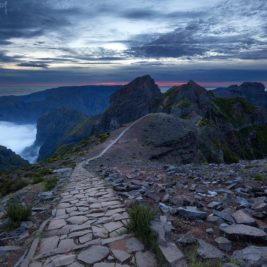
(90,100)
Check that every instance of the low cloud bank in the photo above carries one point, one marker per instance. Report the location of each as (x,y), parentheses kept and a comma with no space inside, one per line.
(18,137)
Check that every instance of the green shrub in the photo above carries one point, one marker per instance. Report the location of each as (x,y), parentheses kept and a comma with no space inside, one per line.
(51,183)
(260,177)
(140,218)
(37,179)
(103,137)
(17,213)
(229,156)
(8,186)
(185,103)
(43,172)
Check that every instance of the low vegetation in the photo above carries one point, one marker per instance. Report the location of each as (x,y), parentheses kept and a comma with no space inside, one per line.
(229,156)
(140,217)
(103,137)
(17,213)
(51,183)
(260,177)
(194,260)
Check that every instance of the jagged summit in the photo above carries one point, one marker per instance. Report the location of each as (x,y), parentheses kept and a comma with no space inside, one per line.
(143,81)
(254,92)
(134,100)
(255,86)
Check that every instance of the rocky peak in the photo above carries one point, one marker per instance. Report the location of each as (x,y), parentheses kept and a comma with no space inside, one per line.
(145,81)
(187,100)
(252,87)
(134,100)
(253,92)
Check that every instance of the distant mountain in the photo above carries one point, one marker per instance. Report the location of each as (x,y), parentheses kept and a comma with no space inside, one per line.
(134,100)
(199,127)
(214,129)
(251,91)
(90,100)
(228,128)
(10,160)
(63,126)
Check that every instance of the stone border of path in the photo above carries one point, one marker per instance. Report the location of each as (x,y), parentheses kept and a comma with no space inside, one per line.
(26,258)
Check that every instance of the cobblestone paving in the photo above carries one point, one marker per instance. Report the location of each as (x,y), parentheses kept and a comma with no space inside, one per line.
(87,229)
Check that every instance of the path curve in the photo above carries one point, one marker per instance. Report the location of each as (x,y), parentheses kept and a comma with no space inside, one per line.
(104,151)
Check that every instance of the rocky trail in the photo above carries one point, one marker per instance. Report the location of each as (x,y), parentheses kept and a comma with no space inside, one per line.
(87,226)
(87,229)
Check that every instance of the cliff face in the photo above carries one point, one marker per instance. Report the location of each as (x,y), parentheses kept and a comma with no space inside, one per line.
(251,91)
(134,100)
(227,128)
(90,100)
(10,160)
(63,126)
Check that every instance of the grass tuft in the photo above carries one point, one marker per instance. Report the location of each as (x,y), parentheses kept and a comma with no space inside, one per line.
(260,177)
(17,213)
(140,218)
(51,183)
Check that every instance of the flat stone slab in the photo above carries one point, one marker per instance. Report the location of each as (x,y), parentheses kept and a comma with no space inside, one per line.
(56,224)
(121,255)
(66,245)
(48,244)
(242,230)
(223,243)
(241,217)
(85,238)
(93,254)
(63,260)
(134,245)
(145,259)
(192,213)
(252,255)
(112,226)
(173,255)
(208,251)
(77,219)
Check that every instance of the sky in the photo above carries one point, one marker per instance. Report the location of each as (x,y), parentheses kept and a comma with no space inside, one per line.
(50,43)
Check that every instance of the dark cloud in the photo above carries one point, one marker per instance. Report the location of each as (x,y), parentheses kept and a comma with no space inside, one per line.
(218,35)
(146,14)
(30,18)
(4,58)
(34,64)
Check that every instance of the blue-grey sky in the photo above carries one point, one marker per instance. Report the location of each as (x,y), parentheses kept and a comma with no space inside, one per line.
(51,43)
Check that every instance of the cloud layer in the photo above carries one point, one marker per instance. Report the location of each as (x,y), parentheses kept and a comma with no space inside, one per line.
(112,37)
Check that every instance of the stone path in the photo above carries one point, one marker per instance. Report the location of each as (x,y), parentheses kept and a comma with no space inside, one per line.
(87,229)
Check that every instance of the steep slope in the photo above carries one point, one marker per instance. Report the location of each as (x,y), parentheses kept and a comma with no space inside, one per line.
(134,100)
(187,101)
(63,126)
(251,91)
(160,137)
(10,160)
(90,100)
(228,128)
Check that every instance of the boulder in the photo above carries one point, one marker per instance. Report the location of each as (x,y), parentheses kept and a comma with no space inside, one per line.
(190,212)
(208,251)
(252,255)
(242,217)
(243,231)
(224,243)
(173,255)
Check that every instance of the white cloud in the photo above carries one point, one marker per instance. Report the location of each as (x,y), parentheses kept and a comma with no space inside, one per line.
(17,137)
